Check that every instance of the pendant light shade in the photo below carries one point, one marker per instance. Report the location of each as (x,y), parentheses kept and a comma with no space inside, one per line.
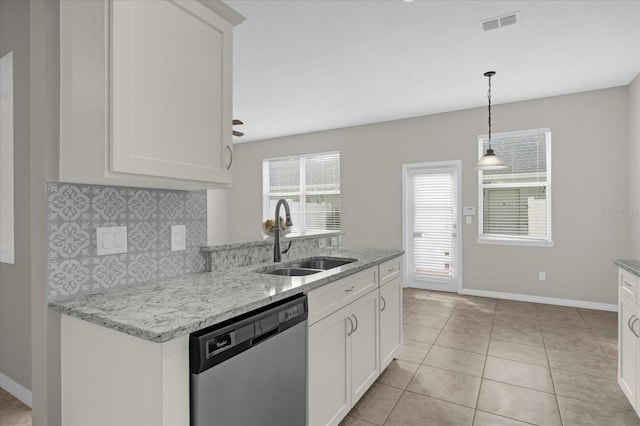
(490,161)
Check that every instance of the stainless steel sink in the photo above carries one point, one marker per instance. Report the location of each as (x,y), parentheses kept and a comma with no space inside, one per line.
(309,266)
(291,272)
(322,263)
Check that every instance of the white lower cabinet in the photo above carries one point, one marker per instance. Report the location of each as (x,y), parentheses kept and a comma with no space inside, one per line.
(628,347)
(390,321)
(350,341)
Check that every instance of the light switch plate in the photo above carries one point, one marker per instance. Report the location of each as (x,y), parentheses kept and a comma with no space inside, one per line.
(468,211)
(111,240)
(178,237)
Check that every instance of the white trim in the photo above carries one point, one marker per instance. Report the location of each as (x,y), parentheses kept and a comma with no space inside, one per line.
(7,256)
(541,299)
(514,242)
(16,389)
(456,168)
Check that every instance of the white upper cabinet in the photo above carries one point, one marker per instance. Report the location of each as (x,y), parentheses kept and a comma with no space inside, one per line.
(145,93)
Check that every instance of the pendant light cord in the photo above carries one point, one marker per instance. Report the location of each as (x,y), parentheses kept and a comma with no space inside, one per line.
(489,97)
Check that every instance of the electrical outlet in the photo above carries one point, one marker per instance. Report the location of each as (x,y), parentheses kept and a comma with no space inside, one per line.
(178,237)
(542,276)
(111,240)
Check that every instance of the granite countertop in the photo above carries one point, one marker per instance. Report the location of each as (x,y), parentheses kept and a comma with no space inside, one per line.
(160,311)
(632,266)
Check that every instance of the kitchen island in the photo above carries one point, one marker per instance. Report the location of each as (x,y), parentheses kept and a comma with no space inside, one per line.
(125,353)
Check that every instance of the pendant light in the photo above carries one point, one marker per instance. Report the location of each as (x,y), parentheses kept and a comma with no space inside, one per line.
(490,161)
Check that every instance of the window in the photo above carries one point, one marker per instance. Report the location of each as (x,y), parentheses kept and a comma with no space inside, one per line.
(311,186)
(515,203)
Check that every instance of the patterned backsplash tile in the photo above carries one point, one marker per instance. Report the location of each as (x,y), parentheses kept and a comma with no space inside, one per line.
(74,211)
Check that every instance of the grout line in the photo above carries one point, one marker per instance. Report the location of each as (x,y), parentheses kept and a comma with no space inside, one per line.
(553,383)
(484,367)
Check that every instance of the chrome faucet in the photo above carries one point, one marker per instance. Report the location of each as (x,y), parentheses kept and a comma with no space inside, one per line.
(277,253)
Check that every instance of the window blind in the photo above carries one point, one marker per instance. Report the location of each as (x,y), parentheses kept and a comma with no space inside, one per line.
(311,185)
(515,200)
(433,218)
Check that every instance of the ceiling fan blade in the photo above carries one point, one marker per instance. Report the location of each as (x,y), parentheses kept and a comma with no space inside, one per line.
(236,133)
(237,122)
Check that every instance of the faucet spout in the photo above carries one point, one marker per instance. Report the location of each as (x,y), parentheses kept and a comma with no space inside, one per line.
(277,252)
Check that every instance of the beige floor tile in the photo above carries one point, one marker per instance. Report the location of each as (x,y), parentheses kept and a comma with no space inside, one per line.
(485,320)
(415,294)
(518,373)
(518,352)
(446,385)
(425,320)
(398,374)
(522,323)
(413,351)
(438,311)
(518,403)
(571,318)
(488,419)
(352,421)
(468,327)
(565,330)
(455,360)
(581,363)
(442,303)
(586,387)
(419,333)
(473,308)
(572,343)
(516,335)
(479,300)
(443,295)
(515,308)
(463,342)
(12,411)
(376,404)
(414,409)
(580,413)
(605,333)
(609,348)
(593,315)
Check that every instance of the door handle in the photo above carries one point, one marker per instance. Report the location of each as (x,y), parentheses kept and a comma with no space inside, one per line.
(347,290)
(384,306)
(631,327)
(351,329)
(355,318)
(230,157)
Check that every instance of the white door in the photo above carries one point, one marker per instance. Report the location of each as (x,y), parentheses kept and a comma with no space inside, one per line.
(430,223)
(329,375)
(390,321)
(628,347)
(364,344)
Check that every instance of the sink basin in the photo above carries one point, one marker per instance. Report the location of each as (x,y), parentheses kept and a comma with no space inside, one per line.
(322,263)
(310,266)
(291,272)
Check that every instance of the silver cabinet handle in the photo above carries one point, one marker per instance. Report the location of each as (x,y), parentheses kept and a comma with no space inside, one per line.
(351,329)
(347,290)
(624,283)
(632,325)
(230,157)
(391,270)
(355,318)
(384,306)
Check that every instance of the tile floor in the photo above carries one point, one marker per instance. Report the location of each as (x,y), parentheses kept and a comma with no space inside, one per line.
(485,362)
(12,411)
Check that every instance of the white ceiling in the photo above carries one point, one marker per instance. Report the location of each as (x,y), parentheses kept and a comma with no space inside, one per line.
(302,66)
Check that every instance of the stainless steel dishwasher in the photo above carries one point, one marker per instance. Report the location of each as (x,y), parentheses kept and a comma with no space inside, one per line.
(251,370)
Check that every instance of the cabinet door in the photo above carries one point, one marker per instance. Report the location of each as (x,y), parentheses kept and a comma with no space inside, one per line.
(170,100)
(329,379)
(365,344)
(390,321)
(628,347)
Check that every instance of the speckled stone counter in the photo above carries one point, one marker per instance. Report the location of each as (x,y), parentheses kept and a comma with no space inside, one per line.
(632,266)
(160,311)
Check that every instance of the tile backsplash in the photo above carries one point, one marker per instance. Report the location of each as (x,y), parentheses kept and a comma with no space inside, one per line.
(74,211)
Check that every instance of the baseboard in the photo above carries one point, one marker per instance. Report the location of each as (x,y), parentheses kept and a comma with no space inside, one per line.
(16,389)
(541,299)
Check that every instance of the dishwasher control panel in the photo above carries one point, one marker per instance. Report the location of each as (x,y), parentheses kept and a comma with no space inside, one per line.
(217,343)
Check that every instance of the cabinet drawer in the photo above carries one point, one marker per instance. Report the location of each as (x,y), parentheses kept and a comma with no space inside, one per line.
(627,284)
(389,270)
(328,299)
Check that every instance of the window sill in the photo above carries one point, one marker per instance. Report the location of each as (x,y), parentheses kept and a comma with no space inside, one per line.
(514,242)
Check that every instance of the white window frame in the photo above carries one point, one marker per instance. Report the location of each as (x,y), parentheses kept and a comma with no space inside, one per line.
(514,240)
(302,193)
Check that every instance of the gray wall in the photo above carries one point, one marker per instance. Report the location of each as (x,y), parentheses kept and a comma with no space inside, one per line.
(634,165)
(15,280)
(586,181)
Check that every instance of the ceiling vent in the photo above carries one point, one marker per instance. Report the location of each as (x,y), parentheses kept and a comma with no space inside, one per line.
(500,21)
